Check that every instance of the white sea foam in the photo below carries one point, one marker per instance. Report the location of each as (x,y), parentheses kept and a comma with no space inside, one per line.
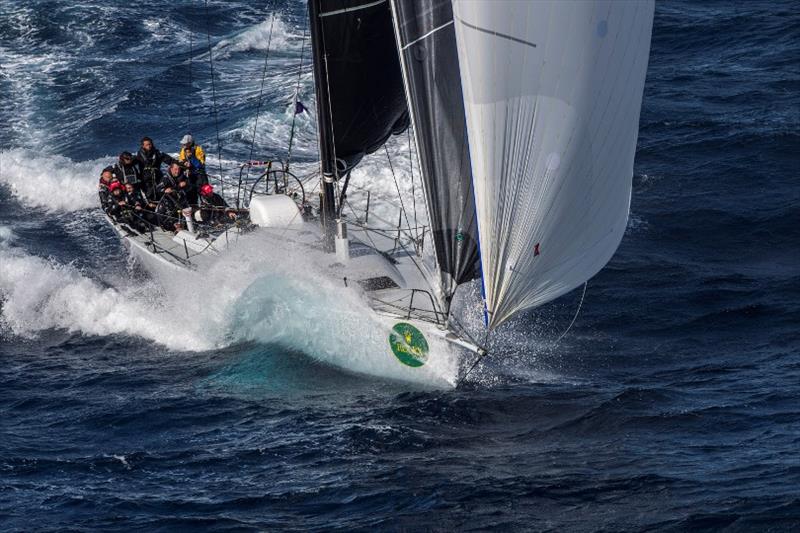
(287,298)
(257,37)
(253,293)
(6,235)
(38,295)
(55,183)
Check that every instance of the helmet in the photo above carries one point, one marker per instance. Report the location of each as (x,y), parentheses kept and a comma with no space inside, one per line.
(206,190)
(187,139)
(114,186)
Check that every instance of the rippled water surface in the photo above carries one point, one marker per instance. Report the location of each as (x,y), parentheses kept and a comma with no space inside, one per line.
(672,404)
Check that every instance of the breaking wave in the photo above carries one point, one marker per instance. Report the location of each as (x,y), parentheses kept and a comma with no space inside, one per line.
(39,295)
(257,37)
(55,183)
(254,294)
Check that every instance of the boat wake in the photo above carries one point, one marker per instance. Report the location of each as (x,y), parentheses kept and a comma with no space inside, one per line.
(251,295)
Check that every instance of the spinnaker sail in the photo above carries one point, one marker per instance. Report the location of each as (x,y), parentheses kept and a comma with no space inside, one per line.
(427,46)
(552,94)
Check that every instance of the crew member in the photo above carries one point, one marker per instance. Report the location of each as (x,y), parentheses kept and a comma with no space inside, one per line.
(173,201)
(150,159)
(127,170)
(106,178)
(142,213)
(193,158)
(213,208)
(117,203)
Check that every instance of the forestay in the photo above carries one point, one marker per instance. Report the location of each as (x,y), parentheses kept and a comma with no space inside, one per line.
(552,95)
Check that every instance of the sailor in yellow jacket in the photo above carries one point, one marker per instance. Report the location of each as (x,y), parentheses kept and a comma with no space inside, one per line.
(193,158)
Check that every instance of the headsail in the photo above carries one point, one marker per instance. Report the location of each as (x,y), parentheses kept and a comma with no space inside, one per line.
(427,44)
(552,92)
(360,98)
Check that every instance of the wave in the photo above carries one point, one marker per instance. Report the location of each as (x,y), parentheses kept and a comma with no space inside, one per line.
(253,294)
(39,295)
(256,38)
(54,183)
(6,235)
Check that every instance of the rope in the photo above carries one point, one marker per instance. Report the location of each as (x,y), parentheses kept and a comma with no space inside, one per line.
(399,196)
(297,93)
(574,318)
(477,360)
(413,190)
(485,353)
(214,97)
(260,97)
(191,83)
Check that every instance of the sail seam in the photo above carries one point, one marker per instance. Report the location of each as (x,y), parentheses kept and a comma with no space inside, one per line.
(497,33)
(349,9)
(418,39)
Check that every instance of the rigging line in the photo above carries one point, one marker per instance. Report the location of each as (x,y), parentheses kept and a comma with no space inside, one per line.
(350,9)
(260,100)
(191,82)
(574,318)
(214,96)
(399,196)
(297,93)
(477,360)
(413,190)
(483,352)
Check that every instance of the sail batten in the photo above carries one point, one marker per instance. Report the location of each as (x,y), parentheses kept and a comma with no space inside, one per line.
(552,94)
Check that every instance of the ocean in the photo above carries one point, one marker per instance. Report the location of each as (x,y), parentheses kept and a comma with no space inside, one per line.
(672,403)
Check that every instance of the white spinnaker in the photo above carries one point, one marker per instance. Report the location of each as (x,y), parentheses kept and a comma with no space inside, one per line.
(552,92)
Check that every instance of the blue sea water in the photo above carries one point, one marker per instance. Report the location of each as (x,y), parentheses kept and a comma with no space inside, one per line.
(672,404)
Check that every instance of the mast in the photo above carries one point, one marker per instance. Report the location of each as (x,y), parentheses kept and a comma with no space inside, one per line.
(327,153)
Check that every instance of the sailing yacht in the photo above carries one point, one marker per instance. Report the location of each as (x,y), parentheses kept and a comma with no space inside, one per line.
(524,116)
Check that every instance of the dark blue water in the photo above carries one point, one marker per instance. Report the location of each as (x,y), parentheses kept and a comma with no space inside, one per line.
(671,405)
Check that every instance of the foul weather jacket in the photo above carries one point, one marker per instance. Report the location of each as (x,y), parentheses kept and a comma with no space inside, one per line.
(212,209)
(150,165)
(128,173)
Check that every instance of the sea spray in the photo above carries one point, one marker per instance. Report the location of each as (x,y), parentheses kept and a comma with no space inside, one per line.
(38,295)
(260,292)
(55,183)
(268,291)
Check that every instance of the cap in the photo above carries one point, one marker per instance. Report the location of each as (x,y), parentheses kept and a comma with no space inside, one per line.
(114,186)
(206,190)
(187,139)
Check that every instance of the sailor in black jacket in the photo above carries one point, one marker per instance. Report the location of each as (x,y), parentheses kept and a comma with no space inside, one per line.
(213,208)
(128,170)
(106,178)
(150,160)
(173,203)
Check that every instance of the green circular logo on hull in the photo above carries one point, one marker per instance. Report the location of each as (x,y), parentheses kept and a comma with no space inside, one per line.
(408,344)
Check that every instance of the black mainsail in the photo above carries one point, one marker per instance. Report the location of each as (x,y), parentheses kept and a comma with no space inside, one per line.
(360,98)
(359,86)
